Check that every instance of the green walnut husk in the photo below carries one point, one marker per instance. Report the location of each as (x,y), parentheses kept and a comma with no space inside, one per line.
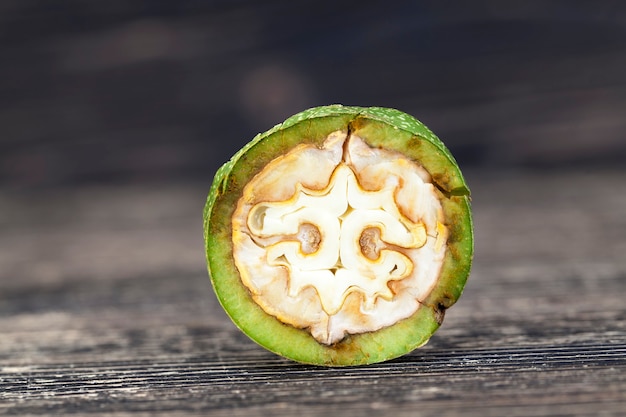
(345,316)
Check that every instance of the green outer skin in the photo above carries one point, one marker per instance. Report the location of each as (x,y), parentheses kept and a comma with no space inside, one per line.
(378,126)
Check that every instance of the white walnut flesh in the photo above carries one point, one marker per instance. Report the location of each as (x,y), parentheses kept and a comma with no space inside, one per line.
(343,239)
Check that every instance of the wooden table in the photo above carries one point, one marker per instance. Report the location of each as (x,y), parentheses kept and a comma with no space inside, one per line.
(106,309)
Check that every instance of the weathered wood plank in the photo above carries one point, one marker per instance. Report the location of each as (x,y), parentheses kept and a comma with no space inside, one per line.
(105,309)
(511,376)
(533,372)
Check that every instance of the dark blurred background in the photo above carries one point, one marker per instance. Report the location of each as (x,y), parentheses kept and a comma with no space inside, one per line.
(113,91)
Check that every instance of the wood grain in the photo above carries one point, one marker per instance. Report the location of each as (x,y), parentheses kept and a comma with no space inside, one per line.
(106,309)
